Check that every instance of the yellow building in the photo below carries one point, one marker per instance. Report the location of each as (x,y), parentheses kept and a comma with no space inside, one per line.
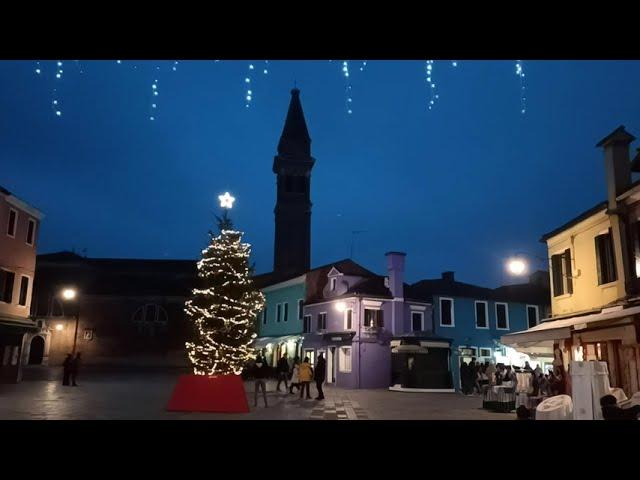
(594,262)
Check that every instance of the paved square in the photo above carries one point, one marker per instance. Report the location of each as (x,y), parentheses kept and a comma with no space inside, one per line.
(144,395)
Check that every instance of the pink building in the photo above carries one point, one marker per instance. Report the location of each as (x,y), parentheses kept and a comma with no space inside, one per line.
(19,225)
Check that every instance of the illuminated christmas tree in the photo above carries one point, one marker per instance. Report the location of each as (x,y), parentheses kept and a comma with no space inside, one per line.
(225,306)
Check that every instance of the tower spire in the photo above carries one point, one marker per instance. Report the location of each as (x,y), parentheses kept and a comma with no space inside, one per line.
(295,141)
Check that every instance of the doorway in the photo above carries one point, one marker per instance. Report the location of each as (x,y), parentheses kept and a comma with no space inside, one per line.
(36,351)
(331,365)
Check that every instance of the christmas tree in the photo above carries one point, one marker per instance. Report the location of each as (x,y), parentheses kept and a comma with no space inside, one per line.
(225,306)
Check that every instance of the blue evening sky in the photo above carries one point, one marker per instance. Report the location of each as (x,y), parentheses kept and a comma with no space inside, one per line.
(461,187)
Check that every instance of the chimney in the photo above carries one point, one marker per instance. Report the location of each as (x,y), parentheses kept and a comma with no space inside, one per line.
(616,162)
(395,269)
(447,276)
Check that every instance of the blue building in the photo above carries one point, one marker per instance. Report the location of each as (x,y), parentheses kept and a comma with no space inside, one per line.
(474,318)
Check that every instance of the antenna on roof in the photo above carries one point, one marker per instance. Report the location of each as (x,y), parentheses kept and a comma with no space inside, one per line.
(353,238)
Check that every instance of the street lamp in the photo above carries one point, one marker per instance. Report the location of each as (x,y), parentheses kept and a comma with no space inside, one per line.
(69,294)
(519,264)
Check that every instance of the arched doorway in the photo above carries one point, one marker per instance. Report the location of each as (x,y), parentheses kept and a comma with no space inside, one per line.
(36,352)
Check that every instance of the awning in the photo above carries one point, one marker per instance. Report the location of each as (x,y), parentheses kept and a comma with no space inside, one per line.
(9,327)
(550,329)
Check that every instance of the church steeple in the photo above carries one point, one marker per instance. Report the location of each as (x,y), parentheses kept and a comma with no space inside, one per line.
(295,140)
(292,165)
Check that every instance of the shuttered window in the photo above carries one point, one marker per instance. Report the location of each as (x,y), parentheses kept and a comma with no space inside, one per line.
(605,259)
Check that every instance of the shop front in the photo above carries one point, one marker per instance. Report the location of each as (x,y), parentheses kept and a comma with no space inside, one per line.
(273,348)
(421,364)
(339,351)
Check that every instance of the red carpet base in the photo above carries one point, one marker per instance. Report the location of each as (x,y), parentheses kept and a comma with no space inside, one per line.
(201,393)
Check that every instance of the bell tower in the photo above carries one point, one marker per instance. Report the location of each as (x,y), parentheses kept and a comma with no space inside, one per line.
(292,166)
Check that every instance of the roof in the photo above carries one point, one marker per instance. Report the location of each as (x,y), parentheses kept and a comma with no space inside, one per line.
(317,280)
(425,289)
(619,135)
(115,276)
(4,190)
(523,293)
(583,216)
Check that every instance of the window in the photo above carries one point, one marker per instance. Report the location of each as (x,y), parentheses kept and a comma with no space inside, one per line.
(485,352)
(348,319)
(288,183)
(561,273)
(446,312)
(344,360)
(605,259)
(30,231)
(24,288)
(322,321)
(286,312)
(150,320)
(502,316)
(6,285)
(373,318)
(532,315)
(300,308)
(481,315)
(264,315)
(13,220)
(278,313)
(306,324)
(417,321)
(333,284)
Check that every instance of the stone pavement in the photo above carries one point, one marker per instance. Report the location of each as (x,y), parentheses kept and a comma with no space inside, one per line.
(144,395)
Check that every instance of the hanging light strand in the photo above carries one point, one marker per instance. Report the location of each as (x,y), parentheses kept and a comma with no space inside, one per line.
(348,97)
(523,96)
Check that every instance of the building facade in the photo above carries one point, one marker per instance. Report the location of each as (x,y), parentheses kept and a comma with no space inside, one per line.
(19,228)
(126,312)
(595,278)
(474,318)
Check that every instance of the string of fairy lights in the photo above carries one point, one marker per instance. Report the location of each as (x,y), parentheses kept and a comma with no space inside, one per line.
(224,312)
(263,68)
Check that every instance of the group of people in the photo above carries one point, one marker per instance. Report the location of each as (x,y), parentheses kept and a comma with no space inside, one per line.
(300,375)
(70,368)
(474,376)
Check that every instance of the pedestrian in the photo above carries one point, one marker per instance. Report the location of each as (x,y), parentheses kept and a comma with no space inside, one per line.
(305,375)
(527,367)
(259,374)
(283,371)
(319,375)
(464,377)
(490,372)
(66,369)
(295,374)
(523,413)
(75,366)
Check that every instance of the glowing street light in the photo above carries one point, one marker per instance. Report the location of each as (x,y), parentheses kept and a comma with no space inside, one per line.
(59,327)
(341,307)
(517,266)
(69,293)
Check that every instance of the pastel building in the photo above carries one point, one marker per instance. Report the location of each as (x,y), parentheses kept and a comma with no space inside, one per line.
(19,227)
(474,318)
(357,318)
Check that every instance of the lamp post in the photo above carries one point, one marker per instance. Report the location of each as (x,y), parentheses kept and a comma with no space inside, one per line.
(69,295)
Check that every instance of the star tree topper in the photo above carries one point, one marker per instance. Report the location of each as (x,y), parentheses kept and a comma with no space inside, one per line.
(226,200)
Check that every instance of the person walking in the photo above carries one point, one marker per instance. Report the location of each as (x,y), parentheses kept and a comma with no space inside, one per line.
(66,369)
(305,374)
(295,375)
(259,374)
(283,371)
(464,377)
(319,375)
(75,366)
